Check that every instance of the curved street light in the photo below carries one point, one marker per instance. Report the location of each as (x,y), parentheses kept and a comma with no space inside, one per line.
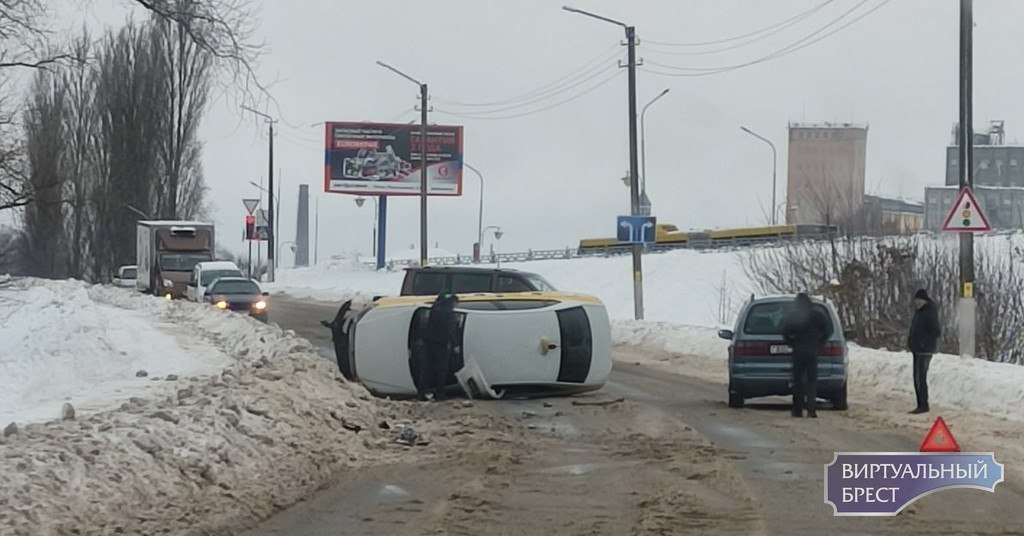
(643,148)
(774,164)
(480,217)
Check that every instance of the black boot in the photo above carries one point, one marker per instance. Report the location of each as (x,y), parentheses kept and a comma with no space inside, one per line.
(917,411)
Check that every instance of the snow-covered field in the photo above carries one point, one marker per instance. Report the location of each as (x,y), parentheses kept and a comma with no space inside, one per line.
(58,345)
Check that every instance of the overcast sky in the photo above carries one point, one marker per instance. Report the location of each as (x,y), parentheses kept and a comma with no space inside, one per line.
(553,176)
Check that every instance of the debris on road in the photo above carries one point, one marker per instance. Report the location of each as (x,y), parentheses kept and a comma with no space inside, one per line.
(597,402)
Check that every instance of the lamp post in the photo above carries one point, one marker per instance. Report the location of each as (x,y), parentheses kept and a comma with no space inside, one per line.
(480,217)
(359,203)
(774,165)
(497,235)
(423,159)
(270,192)
(643,155)
(634,190)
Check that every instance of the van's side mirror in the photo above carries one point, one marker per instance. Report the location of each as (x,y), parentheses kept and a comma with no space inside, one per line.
(725,334)
(850,334)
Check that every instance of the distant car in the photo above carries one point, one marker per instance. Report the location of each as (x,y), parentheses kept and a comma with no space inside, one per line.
(126,276)
(521,344)
(204,273)
(432,280)
(240,295)
(760,363)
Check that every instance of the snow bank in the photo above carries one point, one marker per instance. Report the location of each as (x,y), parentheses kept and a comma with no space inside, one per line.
(58,345)
(206,454)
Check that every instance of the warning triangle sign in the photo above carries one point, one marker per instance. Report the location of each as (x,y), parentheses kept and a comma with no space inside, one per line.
(939,439)
(965,216)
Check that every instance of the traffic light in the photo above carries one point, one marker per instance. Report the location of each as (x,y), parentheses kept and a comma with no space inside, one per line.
(250,226)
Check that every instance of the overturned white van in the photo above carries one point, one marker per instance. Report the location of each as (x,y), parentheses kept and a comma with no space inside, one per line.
(522,344)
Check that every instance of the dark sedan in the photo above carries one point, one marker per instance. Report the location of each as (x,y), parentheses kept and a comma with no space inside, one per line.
(240,295)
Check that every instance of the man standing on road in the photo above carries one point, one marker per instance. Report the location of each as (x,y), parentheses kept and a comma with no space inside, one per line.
(923,341)
(806,330)
(440,338)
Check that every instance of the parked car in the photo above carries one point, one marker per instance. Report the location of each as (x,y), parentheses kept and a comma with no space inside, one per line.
(760,363)
(126,276)
(508,344)
(432,280)
(204,273)
(240,295)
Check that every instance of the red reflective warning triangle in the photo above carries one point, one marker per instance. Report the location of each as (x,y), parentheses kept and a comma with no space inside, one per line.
(965,216)
(939,439)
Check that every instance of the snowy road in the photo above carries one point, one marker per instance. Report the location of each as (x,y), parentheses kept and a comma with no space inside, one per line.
(627,467)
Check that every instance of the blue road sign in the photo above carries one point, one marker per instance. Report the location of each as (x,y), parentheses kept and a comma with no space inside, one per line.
(634,229)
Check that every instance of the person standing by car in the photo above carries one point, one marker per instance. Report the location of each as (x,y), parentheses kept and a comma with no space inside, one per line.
(440,339)
(923,341)
(806,330)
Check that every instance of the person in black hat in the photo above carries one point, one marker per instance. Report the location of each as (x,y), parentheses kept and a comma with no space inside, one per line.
(805,329)
(922,341)
(439,337)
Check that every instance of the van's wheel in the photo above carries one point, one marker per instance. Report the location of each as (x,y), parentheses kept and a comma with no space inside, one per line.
(839,400)
(735,398)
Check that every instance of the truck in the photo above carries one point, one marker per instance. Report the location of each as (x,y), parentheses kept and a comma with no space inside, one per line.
(166,252)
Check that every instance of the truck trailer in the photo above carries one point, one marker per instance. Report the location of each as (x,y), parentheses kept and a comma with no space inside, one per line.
(167,251)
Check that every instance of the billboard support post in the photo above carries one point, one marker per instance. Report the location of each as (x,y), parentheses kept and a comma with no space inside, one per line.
(382,218)
(423,174)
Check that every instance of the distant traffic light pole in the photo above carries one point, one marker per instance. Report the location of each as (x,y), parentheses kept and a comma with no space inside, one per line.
(270,193)
(634,190)
(423,159)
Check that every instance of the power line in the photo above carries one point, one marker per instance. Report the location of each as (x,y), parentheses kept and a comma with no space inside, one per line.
(553,87)
(793,47)
(758,36)
(798,16)
(560,103)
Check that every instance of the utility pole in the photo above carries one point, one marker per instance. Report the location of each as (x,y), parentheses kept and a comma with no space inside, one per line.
(634,172)
(967,306)
(270,192)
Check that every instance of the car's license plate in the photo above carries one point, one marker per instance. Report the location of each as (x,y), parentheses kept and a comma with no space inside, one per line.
(780,349)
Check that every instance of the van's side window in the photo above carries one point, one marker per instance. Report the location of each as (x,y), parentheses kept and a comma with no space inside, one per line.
(426,284)
(512,284)
(470,283)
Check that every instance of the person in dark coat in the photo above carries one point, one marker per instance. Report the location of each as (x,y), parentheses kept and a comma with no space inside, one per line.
(805,329)
(922,341)
(439,337)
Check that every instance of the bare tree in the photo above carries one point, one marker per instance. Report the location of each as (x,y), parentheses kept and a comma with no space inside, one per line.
(79,163)
(183,74)
(44,219)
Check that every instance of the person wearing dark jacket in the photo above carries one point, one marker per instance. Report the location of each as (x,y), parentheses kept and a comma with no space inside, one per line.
(439,337)
(922,341)
(805,329)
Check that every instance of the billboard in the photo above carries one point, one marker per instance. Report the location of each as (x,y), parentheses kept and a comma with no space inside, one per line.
(384,159)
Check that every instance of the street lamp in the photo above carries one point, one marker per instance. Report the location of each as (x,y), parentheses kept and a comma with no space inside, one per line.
(497,235)
(774,164)
(359,203)
(643,155)
(423,159)
(480,217)
(634,172)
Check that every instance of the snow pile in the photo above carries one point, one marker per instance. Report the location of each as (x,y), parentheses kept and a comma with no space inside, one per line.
(684,287)
(57,345)
(205,454)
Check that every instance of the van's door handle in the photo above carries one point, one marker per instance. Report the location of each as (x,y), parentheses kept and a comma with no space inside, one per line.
(546,346)
(552,346)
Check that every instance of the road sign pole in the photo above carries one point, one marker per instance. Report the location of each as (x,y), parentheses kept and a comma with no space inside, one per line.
(966,311)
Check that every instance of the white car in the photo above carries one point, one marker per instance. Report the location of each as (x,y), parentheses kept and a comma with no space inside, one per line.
(126,276)
(207,272)
(524,343)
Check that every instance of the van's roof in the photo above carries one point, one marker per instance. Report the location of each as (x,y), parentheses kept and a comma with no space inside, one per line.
(786,297)
(218,265)
(463,269)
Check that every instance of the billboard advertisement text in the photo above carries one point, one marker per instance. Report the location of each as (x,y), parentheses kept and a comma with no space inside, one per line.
(384,159)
